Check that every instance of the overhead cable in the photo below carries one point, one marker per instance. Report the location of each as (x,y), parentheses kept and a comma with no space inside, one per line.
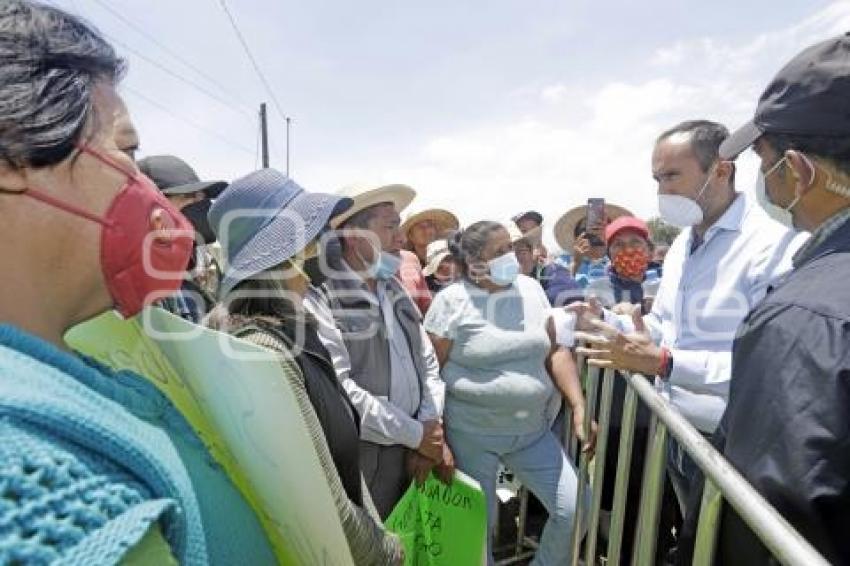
(256,66)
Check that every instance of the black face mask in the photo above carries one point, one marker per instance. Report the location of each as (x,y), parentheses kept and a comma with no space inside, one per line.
(313,270)
(196,213)
(657,266)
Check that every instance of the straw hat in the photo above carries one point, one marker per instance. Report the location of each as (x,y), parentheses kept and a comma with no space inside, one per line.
(368,195)
(443,219)
(566,225)
(513,231)
(438,250)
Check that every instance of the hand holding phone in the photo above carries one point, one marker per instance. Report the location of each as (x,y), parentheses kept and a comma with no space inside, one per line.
(596,221)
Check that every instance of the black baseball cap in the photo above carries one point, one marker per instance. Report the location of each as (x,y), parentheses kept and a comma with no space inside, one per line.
(173,176)
(809,96)
(529,215)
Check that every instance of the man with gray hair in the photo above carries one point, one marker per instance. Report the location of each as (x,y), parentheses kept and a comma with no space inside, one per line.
(385,361)
(717,270)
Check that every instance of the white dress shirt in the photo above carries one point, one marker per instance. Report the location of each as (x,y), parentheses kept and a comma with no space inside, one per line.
(385,421)
(703,298)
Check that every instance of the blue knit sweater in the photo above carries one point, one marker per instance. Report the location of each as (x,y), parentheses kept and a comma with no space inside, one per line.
(81,480)
(231,532)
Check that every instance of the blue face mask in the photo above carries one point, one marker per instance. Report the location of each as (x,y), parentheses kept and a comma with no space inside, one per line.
(504,269)
(386,266)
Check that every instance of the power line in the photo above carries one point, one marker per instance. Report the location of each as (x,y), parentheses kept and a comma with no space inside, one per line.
(217,98)
(178,76)
(260,74)
(165,48)
(192,123)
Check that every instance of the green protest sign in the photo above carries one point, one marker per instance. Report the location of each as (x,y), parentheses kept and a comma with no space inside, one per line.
(442,525)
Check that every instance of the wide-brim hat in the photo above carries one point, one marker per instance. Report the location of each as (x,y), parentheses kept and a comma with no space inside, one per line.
(566,224)
(173,176)
(437,251)
(364,196)
(265,218)
(443,219)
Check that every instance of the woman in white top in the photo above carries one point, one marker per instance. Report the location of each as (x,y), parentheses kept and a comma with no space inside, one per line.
(504,375)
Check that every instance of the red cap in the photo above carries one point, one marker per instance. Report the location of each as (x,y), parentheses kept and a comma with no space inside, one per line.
(626,223)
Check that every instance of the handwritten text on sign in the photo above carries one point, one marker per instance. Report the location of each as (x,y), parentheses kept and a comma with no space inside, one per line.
(441,524)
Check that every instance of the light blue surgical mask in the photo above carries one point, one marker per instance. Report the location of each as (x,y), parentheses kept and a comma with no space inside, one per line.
(386,266)
(504,269)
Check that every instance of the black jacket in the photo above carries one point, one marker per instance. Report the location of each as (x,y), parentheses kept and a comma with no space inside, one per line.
(787,424)
(626,290)
(337,416)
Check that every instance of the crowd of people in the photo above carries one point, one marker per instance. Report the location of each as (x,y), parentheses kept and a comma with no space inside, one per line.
(418,346)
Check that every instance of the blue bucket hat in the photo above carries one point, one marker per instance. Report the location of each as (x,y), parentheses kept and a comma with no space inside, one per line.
(265,218)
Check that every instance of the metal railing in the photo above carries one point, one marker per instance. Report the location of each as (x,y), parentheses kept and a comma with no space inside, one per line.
(722,482)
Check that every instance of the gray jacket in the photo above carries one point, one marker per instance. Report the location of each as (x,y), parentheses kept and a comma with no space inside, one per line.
(359,317)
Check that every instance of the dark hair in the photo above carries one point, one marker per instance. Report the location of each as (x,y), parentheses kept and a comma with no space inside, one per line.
(524,243)
(705,139)
(467,245)
(580,227)
(50,62)
(264,296)
(833,148)
(360,220)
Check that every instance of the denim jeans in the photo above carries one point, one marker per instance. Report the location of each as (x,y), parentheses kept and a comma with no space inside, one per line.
(681,469)
(540,464)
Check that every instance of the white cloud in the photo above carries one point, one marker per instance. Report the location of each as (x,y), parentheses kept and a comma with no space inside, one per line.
(598,142)
(669,56)
(554,145)
(554,93)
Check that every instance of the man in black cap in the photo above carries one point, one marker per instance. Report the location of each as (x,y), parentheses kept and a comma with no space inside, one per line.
(560,287)
(787,425)
(193,197)
(530,223)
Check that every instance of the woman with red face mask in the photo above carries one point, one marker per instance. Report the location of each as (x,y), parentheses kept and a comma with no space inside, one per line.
(628,244)
(96,467)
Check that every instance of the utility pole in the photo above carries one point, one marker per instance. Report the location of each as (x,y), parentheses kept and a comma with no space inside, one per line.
(288,122)
(264,136)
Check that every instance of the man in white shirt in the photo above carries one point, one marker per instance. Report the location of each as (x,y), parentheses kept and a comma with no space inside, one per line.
(385,361)
(715,272)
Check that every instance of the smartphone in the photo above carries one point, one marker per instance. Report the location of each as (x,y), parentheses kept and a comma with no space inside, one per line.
(595,217)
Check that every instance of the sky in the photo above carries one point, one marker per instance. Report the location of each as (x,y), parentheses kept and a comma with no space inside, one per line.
(485,107)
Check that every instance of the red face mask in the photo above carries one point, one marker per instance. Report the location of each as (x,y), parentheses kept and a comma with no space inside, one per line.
(140,264)
(631,263)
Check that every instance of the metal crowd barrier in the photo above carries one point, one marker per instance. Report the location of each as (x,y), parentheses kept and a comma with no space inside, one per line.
(722,482)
